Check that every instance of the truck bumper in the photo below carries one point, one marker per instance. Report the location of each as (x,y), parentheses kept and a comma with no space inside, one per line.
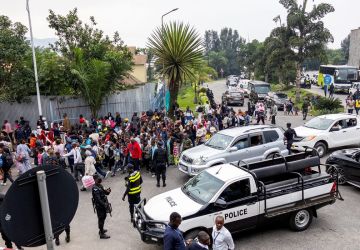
(151,231)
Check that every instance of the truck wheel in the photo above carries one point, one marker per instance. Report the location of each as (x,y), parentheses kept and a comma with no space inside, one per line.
(192,234)
(300,220)
(321,149)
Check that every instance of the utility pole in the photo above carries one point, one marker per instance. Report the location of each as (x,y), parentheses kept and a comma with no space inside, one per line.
(34,60)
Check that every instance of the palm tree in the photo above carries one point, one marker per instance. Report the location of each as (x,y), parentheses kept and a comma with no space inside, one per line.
(178,50)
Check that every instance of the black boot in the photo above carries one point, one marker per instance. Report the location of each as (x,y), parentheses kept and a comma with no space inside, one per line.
(104,236)
(158,184)
(164,184)
(67,238)
(57,241)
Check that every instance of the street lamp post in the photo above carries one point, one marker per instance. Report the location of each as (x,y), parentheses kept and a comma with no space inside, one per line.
(162,29)
(34,60)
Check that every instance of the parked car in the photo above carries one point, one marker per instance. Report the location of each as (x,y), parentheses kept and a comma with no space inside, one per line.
(277,97)
(347,163)
(251,143)
(233,96)
(258,90)
(328,131)
(243,84)
(245,196)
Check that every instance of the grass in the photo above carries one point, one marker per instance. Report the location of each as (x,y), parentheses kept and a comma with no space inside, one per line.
(291,93)
(186,97)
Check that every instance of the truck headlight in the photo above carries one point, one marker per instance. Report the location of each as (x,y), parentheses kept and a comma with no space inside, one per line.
(160,226)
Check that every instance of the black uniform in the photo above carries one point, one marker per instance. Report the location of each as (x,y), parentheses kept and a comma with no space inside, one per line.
(101,204)
(289,135)
(133,190)
(160,160)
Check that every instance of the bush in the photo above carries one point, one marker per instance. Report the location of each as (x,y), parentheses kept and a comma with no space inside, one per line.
(329,104)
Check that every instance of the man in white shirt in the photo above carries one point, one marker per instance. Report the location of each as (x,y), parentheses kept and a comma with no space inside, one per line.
(79,167)
(222,239)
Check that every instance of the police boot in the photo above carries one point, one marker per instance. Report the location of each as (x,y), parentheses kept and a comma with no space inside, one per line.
(164,184)
(104,236)
(158,184)
(57,241)
(67,238)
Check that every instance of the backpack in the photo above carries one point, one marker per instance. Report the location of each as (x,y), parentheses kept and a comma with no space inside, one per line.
(9,159)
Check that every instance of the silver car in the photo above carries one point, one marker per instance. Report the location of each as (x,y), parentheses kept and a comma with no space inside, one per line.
(251,143)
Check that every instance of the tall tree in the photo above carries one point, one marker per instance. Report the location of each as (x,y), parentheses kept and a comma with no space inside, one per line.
(91,56)
(345,47)
(309,35)
(16,80)
(178,48)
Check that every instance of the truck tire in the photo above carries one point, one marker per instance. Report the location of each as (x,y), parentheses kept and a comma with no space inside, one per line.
(321,148)
(300,220)
(192,234)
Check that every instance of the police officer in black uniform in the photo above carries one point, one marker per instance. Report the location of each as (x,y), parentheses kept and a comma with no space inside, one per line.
(101,204)
(289,137)
(160,161)
(133,188)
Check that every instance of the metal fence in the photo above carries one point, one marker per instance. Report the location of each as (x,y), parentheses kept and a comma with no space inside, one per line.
(125,102)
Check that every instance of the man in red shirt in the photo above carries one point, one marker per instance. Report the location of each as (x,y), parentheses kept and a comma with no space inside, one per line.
(135,153)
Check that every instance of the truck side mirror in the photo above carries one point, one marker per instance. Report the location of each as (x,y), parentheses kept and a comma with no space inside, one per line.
(220,203)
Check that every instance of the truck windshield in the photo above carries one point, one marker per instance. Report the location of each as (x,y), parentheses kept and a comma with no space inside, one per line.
(319,123)
(219,141)
(262,89)
(202,187)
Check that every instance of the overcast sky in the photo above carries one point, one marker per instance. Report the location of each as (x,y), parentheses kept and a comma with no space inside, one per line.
(136,19)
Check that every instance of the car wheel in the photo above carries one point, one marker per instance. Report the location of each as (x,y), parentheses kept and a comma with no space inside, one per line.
(341,173)
(300,220)
(321,149)
(272,156)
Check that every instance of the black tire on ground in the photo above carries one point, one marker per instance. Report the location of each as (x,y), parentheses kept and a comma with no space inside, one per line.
(341,174)
(300,220)
(192,234)
(321,148)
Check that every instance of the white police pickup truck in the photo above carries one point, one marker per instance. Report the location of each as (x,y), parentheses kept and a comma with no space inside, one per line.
(244,195)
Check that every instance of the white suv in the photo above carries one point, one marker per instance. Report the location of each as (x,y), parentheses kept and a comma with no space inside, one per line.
(251,143)
(328,131)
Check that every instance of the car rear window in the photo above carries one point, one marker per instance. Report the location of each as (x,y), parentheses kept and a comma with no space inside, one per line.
(270,136)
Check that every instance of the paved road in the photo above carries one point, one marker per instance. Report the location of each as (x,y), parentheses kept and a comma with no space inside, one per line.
(337,226)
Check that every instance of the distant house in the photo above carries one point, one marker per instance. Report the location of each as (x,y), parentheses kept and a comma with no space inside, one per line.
(354,52)
(139,73)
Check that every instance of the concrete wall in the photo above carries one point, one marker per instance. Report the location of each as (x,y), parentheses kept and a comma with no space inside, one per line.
(139,72)
(354,53)
(125,102)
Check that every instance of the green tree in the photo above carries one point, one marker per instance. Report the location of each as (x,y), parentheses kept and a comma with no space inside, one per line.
(92,78)
(178,48)
(345,47)
(97,63)
(309,35)
(16,77)
(217,60)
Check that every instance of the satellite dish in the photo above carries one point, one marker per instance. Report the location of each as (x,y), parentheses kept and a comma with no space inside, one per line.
(21,216)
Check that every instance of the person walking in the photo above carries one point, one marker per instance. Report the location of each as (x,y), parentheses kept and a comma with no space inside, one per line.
(78,162)
(66,123)
(222,239)
(135,153)
(305,107)
(273,113)
(160,161)
(133,189)
(325,90)
(67,237)
(23,157)
(6,163)
(331,90)
(173,238)
(101,204)
(260,113)
(289,137)
(350,104)
(203,242)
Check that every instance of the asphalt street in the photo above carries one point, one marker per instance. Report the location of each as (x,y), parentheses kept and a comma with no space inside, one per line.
(337,226)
